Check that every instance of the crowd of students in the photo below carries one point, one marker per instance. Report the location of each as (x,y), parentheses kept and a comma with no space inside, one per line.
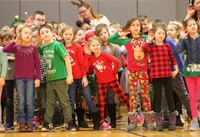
(55,62)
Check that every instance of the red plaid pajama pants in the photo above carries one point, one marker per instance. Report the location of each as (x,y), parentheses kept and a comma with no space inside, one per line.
(102,91)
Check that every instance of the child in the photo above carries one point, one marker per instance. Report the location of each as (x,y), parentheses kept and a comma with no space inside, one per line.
(102,32)
(26,77)
(106,69)
(161,75)
(137,70)
(7,37)
(190,44)
(3,70)
(79,74)
(145,24)
(179,87)
(58,75)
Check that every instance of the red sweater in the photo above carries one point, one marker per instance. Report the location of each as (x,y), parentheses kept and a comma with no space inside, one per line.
(76,57)
(133,63)
(105,66)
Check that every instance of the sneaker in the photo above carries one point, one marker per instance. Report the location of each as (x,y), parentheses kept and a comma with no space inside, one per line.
(2,129)
(194,126)
(47,127)
(105,125)
(70,126)
(9,126)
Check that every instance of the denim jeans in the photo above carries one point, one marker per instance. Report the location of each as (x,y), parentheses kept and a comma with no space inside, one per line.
(9,90)
(86,94)
(26,93)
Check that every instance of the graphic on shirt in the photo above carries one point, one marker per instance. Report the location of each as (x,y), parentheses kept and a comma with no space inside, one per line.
(25,52)
(193,68)
(49,56)
(99,65)
(138,51)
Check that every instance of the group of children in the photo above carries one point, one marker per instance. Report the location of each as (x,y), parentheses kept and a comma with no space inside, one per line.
(59,62)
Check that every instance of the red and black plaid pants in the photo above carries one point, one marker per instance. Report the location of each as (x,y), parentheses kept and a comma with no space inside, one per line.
(102,91)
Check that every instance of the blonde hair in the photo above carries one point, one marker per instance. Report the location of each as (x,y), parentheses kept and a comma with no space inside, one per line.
(91,39)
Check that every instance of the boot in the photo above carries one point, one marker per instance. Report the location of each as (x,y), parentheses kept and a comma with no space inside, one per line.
(133,121)
(80,115)
(74,121)
(148,116)
(178,121)
(30,127)
(159,122)
(22,127)
(112,114)
(172,121)
(96,120)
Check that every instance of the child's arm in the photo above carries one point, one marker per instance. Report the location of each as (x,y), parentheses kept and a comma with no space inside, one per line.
(180,46)
(69,78)
(10,48)
(115,38)
(37,66)
(3,69)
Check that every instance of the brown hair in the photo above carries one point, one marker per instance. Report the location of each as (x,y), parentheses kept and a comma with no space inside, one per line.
(74,33)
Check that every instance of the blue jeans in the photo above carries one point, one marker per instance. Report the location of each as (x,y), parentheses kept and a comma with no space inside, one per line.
(26,93)
(86,94)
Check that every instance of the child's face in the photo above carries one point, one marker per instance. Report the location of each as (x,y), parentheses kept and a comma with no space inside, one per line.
(112,30)
(191,27)
(145,26)
(171,31)
(6,40)
(80,37)
(68,36)
(34,37)
(103,35)
(86,27)
(26,35)
(135,28)
(95,46)
(46,35)
(159,35)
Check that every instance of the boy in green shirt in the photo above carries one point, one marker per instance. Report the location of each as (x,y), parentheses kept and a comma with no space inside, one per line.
(58,75)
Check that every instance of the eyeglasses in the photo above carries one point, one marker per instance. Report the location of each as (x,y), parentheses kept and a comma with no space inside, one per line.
(42,20)
(81,12)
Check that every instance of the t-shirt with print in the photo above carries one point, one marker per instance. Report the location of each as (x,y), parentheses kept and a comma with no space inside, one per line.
(55,65)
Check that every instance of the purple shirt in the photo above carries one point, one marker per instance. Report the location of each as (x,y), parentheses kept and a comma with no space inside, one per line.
(27,64)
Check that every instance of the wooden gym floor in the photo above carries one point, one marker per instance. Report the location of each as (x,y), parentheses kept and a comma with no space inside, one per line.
(120,131)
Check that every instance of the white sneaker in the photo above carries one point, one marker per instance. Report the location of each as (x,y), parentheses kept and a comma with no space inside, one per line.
(194,126)
(2,129)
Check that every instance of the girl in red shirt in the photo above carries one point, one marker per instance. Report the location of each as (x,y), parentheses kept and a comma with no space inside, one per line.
(106,69)
(79,74)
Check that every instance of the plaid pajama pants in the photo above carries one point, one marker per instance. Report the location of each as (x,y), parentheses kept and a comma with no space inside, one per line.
(133,77)
(102,91)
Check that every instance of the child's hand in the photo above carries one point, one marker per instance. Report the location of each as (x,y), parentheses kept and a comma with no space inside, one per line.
(174,73)
(37,83)
(84,81)
(2,81)
(190,10)
(87,50)
(69,80)
(183,34)
(18,39)
(124,33)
